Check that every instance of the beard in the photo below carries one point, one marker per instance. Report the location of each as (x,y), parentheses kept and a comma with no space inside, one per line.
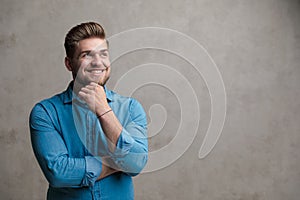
(82,81)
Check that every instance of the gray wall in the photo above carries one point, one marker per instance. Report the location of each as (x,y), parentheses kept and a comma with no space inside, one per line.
(256,46)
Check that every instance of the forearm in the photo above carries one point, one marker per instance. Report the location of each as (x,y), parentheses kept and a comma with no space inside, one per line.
(131,158)
(59,173)
(106,171)
(60,169)
(126,142)
(111,126)
(131,152)
(64,171)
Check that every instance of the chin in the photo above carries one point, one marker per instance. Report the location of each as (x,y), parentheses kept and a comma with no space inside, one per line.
(103,82)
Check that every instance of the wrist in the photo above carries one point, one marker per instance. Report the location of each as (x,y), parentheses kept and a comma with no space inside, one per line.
(102,110)
(99,116)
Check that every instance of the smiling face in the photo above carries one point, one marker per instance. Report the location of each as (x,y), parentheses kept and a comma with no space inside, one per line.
(90,62)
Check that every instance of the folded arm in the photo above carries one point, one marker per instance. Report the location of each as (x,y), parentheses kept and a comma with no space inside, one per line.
(130,149)
(127,143)
(59,168)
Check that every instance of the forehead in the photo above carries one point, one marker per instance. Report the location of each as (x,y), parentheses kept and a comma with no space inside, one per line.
(91,44)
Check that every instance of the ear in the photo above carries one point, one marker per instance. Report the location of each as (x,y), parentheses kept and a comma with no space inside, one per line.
(68,63)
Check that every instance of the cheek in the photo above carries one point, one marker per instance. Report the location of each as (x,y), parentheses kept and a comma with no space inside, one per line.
(106,62)
(84,63)
(82,66)
(108,71)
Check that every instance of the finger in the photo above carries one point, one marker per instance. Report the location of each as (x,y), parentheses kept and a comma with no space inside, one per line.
(96,85)
(93,84)
(88,98)
(82,95)
(87,90)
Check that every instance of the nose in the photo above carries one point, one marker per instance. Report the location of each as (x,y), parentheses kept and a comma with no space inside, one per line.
(97,60)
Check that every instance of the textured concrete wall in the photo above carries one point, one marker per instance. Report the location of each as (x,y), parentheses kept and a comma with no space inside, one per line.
(256,46)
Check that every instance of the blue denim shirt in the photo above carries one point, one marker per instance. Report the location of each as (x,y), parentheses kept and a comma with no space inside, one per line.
(70,145)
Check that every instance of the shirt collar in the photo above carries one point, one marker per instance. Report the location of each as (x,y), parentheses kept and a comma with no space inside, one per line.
(68,94)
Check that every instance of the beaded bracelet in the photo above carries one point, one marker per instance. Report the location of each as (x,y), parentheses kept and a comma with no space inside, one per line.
(104,113)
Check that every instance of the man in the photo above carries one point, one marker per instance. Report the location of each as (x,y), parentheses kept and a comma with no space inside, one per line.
(88,140)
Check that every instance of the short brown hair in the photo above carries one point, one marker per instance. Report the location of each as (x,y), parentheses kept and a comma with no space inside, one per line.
(81,32)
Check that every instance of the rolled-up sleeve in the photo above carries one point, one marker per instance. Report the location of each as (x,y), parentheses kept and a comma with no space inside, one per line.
(131,152)
(92,172)
(52,154)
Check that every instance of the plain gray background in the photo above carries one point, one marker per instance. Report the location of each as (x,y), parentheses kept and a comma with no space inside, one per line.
(255,44)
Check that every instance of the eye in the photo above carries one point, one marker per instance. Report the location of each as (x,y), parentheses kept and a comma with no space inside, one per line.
(85,55)
(104,54)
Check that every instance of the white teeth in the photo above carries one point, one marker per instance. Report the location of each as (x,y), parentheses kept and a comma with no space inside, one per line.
(98,71)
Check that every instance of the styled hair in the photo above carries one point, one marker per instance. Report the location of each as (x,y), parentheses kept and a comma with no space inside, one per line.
(81,32)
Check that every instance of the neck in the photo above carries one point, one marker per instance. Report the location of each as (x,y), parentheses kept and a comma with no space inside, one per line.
(77,86)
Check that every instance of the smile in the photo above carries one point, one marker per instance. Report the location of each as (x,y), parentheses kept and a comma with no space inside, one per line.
(97,71)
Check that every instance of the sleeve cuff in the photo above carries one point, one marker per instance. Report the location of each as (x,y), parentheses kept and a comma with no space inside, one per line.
(93,168)
(124,144)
